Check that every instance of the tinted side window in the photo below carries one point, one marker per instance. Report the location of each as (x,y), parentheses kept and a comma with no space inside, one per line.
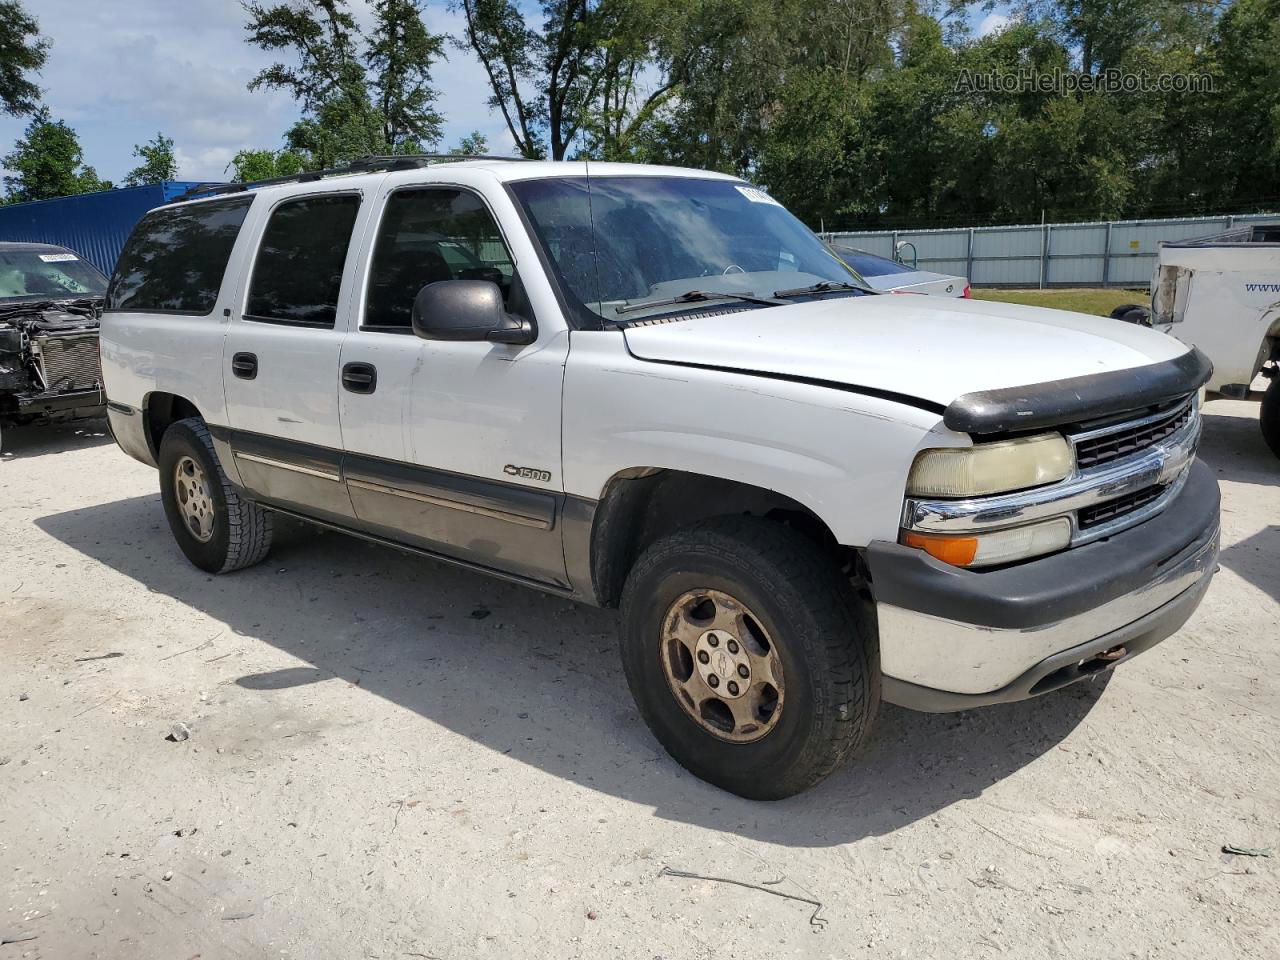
(428,235)
(298,272)
(175,258)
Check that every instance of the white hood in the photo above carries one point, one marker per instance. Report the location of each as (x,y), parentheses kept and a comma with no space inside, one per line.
(927,347)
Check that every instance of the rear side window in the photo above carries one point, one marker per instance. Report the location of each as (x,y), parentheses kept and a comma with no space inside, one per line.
(298,272)
(176,257)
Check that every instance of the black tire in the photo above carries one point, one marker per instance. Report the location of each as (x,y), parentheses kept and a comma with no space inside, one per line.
(241,530)
(1269,415)
(827,646)
(1133,313)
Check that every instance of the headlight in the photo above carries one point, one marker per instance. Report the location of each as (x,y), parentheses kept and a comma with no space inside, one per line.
(990,467)
(997,546)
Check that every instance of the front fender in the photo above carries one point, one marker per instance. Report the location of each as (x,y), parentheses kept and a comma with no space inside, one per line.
(842,455)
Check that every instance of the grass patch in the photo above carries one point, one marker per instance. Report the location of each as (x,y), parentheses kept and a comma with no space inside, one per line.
(1084,300)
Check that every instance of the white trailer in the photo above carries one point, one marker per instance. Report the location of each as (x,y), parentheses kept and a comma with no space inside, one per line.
(1222,294)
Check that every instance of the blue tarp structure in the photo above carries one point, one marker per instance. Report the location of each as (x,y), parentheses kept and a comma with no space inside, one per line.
(94,225)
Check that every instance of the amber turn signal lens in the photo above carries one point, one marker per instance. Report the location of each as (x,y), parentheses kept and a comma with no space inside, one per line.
(994,546)
(957,551)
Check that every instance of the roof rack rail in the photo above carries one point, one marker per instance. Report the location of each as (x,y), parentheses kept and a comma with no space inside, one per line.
(370,164)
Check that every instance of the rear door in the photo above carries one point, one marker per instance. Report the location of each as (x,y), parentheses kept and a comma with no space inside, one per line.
(282,352)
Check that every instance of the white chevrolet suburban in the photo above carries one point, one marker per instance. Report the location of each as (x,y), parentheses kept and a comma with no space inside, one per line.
(655,388)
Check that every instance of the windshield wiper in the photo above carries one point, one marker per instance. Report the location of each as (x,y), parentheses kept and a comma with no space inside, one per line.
(696,296)
(826,286)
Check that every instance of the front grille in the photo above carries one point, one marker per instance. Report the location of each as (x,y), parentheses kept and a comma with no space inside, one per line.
(1102,512)
(1101,450)
(69,363)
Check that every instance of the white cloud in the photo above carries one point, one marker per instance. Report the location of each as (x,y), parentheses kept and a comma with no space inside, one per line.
(118,73)
(993,23)
(211,160)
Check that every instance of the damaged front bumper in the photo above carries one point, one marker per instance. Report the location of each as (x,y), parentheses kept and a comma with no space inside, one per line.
(68,404)
(951,639)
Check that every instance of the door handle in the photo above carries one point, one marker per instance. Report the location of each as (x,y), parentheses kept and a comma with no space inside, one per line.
(245,365)
(360,377)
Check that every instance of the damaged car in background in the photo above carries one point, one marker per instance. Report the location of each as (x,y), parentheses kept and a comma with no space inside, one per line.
(50,302)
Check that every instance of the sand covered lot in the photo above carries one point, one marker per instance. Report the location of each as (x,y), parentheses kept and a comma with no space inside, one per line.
(391,758)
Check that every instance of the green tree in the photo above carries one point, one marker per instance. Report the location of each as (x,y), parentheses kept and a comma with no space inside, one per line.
(572,79)
(1241,158)
(473,144)
(339,121)
(47,162)
(359,96)
(250,165)
(400,54)
(22,51)
(158,162)
(1102,33)
(507,48)
(726,66)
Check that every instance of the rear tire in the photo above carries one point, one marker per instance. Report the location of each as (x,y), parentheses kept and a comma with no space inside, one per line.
(217,528)
(797,623)
(1269,415)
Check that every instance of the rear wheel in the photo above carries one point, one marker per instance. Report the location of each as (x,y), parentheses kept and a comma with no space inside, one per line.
(1269,416)
(217,528)
(747,656)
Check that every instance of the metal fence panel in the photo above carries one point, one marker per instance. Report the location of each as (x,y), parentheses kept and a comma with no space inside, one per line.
(1106,253)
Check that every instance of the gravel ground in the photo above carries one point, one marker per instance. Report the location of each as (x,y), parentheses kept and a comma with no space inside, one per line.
(391,758)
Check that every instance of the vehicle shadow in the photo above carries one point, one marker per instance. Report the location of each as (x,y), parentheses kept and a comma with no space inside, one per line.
(1254,559)
(1232,444)
(52,438)
(537,678)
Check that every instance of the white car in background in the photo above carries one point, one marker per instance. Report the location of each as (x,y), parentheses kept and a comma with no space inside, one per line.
(889,276)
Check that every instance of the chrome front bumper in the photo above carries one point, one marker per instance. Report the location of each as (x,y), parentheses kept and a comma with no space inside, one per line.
(952,639)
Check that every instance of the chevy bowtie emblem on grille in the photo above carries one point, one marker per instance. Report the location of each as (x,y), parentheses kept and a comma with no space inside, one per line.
(527,473)
(1175,462)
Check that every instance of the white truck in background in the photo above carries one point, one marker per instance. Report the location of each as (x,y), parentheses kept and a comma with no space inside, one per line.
(1222,295)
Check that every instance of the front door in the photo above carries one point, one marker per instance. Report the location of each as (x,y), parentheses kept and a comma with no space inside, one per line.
(281,356)
(454,446)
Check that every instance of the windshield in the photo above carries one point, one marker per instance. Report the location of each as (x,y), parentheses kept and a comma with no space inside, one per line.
(621,243)
(44,274)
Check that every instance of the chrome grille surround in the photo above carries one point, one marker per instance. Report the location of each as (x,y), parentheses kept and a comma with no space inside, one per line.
(1163,463)
(68,361)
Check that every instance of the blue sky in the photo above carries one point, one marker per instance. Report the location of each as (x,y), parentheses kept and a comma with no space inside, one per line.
(120,72)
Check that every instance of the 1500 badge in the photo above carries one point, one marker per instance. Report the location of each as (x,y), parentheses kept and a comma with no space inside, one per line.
(527,473)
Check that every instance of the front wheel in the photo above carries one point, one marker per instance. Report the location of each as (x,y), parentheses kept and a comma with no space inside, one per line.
(1269,416)
(748,657)
(217,528)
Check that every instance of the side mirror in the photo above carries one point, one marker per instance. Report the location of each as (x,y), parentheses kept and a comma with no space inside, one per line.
(467,310)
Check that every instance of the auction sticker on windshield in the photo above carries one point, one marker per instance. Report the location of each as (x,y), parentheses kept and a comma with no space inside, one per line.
(58,257)
(756,195)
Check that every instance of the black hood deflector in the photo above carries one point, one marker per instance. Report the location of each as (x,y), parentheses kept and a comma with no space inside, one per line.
(1077,399)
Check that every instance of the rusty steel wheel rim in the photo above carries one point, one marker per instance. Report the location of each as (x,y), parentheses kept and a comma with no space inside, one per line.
(191,488)
(722,666)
